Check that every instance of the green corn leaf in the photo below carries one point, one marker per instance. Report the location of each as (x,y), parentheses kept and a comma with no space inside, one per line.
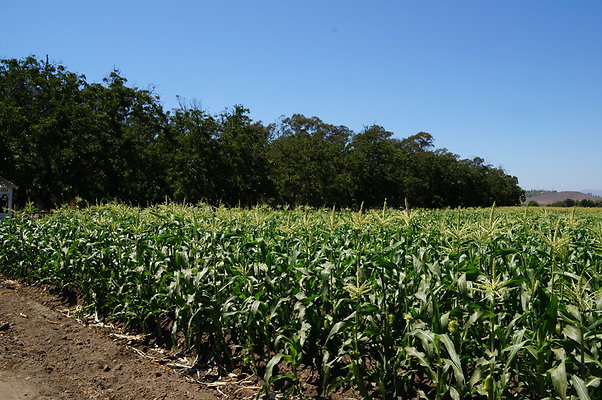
(428,339)
(454,393)
(254,308)
(335,329)
(580,387)
(572,332)
(456,364)
(477,376)
(513,349)
(304,332)
(267,376)
(560,354)
(473,318)
(458,374)
(505,252)
(559,379)
(421,357)
(597,323)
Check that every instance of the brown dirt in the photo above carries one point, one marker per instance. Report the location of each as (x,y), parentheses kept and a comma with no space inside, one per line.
(46,354)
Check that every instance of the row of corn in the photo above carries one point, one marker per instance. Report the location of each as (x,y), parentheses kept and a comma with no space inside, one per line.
(483,303)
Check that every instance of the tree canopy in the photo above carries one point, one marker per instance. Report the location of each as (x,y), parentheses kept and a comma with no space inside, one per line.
(63,138)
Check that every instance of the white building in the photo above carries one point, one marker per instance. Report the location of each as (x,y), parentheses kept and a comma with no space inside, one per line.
(6,197)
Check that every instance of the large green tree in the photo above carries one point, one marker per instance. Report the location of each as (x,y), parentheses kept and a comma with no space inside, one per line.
(62,138)
(308,162)
(43,131)
(130,130)
(218,159)
(193,154)
(376,168)
(243,158)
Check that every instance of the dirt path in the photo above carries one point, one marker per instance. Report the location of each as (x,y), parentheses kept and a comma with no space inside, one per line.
(44,354)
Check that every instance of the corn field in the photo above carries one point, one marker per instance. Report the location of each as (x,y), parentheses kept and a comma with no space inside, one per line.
(465,303)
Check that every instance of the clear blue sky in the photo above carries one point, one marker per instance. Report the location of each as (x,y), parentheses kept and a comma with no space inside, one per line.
(517,82)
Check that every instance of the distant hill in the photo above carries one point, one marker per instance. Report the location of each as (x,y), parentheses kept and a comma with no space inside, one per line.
(546,197)
(592,191)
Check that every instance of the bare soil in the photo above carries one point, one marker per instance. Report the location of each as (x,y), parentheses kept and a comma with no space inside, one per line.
(45,353)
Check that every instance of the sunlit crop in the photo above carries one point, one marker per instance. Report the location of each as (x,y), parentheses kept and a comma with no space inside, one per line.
(438,304)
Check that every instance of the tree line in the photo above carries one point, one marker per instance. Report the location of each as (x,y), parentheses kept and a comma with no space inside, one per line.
(63,138)
(587,203)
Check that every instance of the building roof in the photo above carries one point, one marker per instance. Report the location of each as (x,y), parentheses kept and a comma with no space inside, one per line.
(5,184)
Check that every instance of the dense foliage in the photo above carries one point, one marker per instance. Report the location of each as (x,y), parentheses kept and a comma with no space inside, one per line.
(62,138)
(439,304)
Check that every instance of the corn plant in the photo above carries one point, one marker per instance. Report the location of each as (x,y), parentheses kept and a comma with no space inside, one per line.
(467,303)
